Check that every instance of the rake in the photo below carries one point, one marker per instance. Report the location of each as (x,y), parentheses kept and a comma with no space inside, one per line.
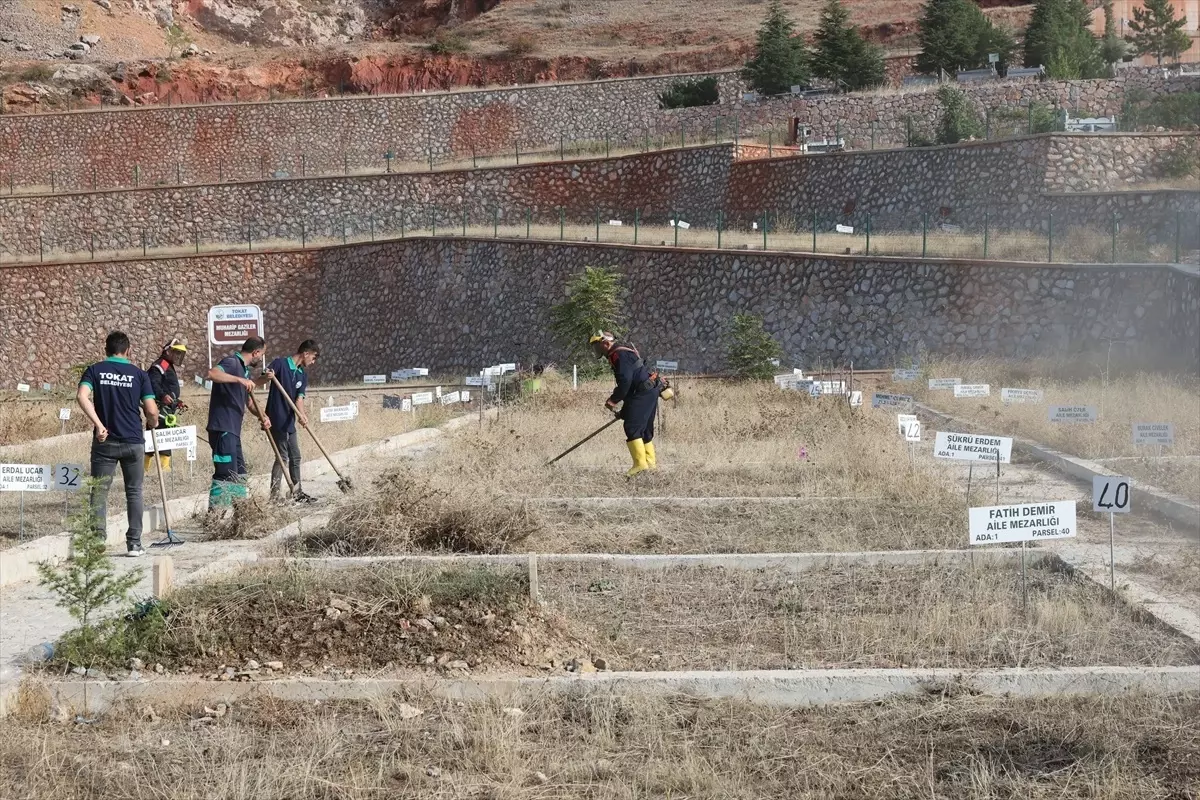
(343,482)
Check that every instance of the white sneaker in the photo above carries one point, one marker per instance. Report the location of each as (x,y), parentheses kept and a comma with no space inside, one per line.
(135,552)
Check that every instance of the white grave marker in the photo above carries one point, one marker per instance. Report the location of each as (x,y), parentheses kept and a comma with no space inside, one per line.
(972,447)
(1023,522)
(1008,395)
(339,413)
(25,477)
(374,378)
(856,399)
(22,387)
(943,383)
(904,419)
(972,390)
(904,375)
(449,398)
(666,366)
(67,477)
(422,398)
(1111,493)
(64,414)
(1073,414)
(170,439)
(843,228)
(1160,433)
(880,400)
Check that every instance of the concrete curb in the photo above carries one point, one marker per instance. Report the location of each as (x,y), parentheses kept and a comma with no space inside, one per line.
(780,688)
(686,501)
(787,562)
(18,564)
(1170,506)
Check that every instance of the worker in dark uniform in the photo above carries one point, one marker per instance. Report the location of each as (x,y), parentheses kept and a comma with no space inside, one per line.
(293,377)
(231,385)
(165,381)
(637,393)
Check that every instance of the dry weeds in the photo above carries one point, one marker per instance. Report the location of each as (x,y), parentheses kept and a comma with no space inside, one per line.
(1121,399)
(612,748)
(858,616)
(250,518)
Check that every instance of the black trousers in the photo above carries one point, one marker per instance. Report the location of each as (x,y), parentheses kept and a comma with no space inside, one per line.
(638,413)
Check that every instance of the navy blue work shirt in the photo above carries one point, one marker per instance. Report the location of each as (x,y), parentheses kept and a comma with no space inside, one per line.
(118,388)
(227,403)
(294,381)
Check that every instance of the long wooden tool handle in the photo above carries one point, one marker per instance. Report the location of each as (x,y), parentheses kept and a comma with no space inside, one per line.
(320,446)
(274,448)
(162,483)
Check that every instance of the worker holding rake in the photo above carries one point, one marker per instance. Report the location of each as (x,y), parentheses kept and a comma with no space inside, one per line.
(231,393)
(636,393)
(291,379)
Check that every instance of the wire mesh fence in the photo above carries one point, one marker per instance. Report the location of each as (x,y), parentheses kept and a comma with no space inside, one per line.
(1012,236)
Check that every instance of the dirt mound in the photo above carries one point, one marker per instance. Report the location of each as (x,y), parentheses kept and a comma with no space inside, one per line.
(453,619)
(403,512)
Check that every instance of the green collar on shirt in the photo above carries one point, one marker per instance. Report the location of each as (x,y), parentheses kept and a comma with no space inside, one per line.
(119,359)
(292,365)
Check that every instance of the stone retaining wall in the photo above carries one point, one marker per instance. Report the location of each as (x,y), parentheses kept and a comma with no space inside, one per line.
(462,303)
(958,184)
(214,142)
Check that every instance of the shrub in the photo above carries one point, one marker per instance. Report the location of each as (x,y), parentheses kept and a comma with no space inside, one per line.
(752,353)
(959,119)
(593,304)
(689,93)
(1179,111)
(1181,160)
(521,45)
(447,43)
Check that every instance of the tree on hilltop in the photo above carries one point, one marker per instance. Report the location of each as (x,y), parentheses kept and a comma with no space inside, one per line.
(842,55)
(780,58)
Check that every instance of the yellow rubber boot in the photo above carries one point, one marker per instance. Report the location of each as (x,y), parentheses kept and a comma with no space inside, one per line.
(637,450)
(149,462)
(165,461)
(651,461)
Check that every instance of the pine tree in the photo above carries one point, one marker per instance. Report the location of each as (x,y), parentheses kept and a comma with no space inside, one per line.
(1156,32)
(593,304)
(780,58)
(752,352)
(955,34)
(842,55)
(1058,38)
(1112,46)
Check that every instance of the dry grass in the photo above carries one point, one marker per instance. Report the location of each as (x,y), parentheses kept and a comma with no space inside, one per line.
(1121,400)
(1180,570)
(403,512)
(249,518)
(612,748)
(857,616)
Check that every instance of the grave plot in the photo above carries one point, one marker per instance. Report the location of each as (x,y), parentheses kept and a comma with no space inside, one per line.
(607,746)
(1146,426)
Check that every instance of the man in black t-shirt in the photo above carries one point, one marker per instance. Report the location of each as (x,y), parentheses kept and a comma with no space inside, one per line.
(114,394)
(226,408)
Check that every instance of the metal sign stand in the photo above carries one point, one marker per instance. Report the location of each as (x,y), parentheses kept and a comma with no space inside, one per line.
(1112,559)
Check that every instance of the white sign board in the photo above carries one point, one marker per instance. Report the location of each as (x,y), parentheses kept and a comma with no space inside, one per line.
(374,378)
(191,453)
(829,387)
(25,477)
(1008,395)
(1111,493)
(449,398)
(1073,414)
(406,404)
(943,383)
(339,413)
(880,400)
(972,390)
(234,324)
(476,380)
(855,399)
(422,398)
(170,438)
(667,366)
(64,414)
(464,396)
(408,374)
(972,447)
(840,228)
(68,477)
(903,375)
(437,391)
(47,387)
(1161,433)
(904,419)
(22,387)
(911,430)
(1024,522)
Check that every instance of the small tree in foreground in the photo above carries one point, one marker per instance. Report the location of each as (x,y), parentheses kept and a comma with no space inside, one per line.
(780,59)
(593,304)
(752,352)
(1156,32)
(86,585)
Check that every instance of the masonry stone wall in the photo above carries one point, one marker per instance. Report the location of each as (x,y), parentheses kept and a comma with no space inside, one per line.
(462,303)
(192,144)
(314,208)
(53,316)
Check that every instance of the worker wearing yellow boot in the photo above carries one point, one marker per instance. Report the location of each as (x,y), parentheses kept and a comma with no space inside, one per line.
(636,393)
(165,382)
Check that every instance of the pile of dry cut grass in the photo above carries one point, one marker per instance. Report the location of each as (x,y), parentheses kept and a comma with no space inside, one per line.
(404,511)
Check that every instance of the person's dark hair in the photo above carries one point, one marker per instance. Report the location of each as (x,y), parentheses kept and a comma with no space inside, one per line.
(309,346)
(254,343)
(116,343)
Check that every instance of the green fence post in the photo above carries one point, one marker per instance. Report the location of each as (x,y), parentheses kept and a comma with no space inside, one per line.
(814,224)
(464,219)
(344,235)
(303,234)
(868,251)
(872,135)
(527,221)
(985,233)
(41,249)
(433,221)
(93,178)
(197,240)
(1112,257)
(1050,237)
(144,239)
(562,216)
(597,224)
(562,152)
(303,166)
(387,158)
(178,173)
(53,188)
(736,120)
(770,143)
(430,154)
(92,245)
(1029,116)
(1178,233)
(647,148)
(987,123)
(676,217)
(606,150)
(345,164)
(637,218)
(371,224)
(401,223)
(908,131)
(137,175)
(717,130)
(682,135)
(517,149)
(924,234)
(837,133)
(496,222)
(720,220)
(764,227)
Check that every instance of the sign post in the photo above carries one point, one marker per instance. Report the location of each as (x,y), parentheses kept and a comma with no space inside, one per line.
(64,414)
(1022,523)
(1111,493)
(228,325)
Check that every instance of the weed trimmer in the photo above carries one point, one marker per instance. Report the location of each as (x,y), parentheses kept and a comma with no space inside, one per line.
(171,539)
(585,440)
(274,448)
(343,482)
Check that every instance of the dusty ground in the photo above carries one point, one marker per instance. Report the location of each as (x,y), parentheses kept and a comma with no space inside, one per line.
(608,748)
